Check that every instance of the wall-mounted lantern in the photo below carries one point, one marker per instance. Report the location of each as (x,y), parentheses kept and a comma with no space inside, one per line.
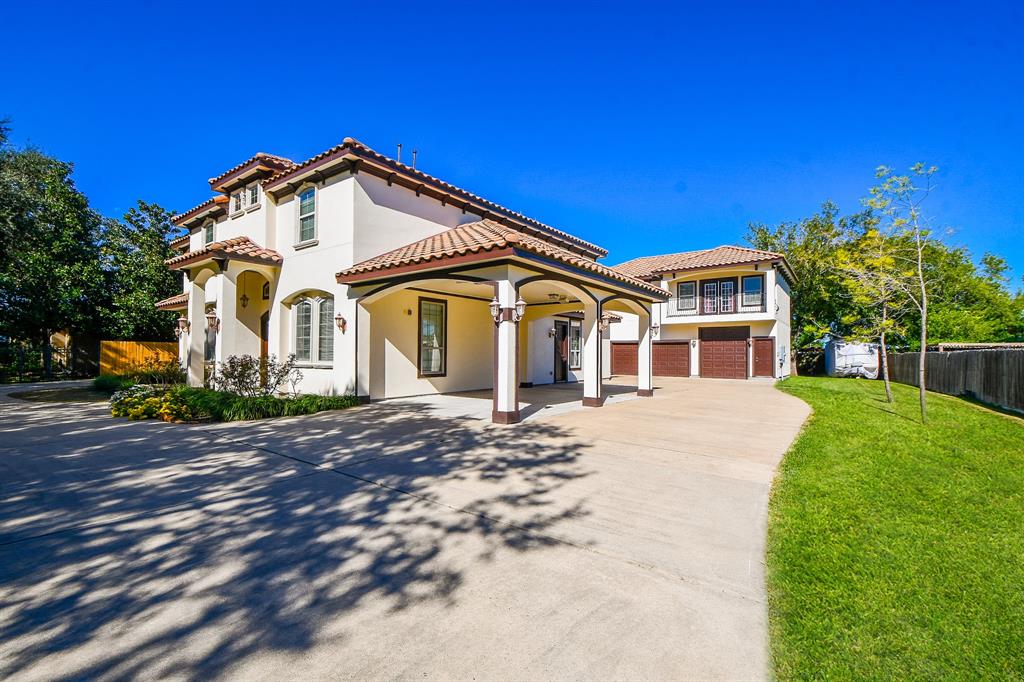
(182,328)
(495,308)
(693,343)
(602,324)
(551,333)
(520,310)
(212,323)
(517,313)
(341,323)
(655,328)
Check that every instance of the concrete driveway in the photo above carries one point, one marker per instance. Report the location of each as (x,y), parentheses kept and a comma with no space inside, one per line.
(393,541)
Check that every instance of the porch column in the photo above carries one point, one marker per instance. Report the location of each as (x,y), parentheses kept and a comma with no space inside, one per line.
(227,313)
(362,352)
(644,384)
(592,396)
(196,344)
(506,353)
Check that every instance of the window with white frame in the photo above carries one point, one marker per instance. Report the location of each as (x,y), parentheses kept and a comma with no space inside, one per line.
(575,344)
(208,231)
(307,215)
(727,295)
(710,297)
(686,296)
(314,330)
(753,290)
(236,202)
(252,196)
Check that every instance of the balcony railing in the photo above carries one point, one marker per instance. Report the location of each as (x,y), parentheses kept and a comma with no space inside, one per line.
(676,307)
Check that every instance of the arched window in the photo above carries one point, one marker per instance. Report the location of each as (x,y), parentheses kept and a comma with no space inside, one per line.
(208,233)
(314,330)
(307,215)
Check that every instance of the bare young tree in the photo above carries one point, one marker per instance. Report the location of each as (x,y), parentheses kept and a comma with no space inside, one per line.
(898,200)
(871,273)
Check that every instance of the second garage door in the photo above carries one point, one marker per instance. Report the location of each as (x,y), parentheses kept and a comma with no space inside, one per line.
(668,358)
(723,352)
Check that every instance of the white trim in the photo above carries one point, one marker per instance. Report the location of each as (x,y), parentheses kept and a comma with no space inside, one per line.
(298,213)
(314,360)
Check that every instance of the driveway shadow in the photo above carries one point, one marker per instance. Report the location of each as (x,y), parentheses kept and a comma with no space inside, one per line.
(147,549)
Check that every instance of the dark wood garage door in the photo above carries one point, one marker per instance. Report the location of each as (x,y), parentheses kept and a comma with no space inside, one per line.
(723,352)
(624,358)
(671,359)
(668,358)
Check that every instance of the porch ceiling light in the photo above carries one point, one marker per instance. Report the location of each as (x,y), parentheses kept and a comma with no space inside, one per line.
(244,301)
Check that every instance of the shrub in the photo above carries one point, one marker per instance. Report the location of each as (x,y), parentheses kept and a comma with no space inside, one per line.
(111,383)
(157,372)
(244,375)
(183,403)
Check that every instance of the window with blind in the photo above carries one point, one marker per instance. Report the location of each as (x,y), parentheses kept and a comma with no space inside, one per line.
(307,215)
(314,330)
(710,297)
(753,290)
(728,290)
(433,337)
(686,296)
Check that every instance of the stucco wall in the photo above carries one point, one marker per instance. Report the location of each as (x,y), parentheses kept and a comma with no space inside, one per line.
(394,337)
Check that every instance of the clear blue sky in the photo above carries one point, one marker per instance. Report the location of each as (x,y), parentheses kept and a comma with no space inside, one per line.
(639,127)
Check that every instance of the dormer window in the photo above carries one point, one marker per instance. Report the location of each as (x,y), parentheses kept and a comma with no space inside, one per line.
(307,215)
(208,233)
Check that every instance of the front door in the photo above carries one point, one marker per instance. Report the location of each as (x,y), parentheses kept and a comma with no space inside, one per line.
(764,356)
(561,351)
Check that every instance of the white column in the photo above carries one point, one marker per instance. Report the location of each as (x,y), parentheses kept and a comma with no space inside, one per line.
(506,351)
(644,383)
(592,355)
(361,336)
(227,305)
(196,334)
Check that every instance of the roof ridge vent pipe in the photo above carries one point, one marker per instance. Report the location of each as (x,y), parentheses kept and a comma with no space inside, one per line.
(399,159)
(414,153)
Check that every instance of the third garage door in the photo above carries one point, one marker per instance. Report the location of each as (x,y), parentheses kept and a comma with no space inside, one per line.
(723,352)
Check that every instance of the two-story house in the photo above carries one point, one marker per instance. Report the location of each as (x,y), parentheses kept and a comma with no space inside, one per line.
(727,315)
(385,282)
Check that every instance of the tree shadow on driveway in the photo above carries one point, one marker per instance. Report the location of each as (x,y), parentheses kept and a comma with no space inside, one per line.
(147,549)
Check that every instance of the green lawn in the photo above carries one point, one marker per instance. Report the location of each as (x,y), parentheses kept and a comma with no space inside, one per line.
(896,551)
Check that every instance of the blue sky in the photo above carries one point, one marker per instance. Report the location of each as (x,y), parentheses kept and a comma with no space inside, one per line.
(641,127)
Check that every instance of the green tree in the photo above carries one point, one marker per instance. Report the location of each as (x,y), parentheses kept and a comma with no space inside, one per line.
(134,250)
(820,297)
(50,275)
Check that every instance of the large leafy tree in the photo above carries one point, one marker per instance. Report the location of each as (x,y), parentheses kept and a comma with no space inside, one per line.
(50,274)
(134,249)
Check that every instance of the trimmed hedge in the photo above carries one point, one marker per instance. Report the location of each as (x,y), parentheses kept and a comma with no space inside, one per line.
(183,403)
(111,383)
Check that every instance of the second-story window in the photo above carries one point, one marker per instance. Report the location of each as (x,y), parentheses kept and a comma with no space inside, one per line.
(728,289)
(710,297)
(686,296)
(307,215)
(236,202)
(753,290)
(253,195)
(208,233)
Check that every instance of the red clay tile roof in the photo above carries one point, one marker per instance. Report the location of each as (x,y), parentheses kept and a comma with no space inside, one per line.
(648,267)
(484,236)
(353,145)
(174,302)
(276,163)
(179,242)
(236,248)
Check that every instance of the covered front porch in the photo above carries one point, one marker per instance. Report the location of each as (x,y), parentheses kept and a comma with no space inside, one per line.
(485,311)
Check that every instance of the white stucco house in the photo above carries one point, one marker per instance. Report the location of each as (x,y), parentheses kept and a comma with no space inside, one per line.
(727,314)
(385,282)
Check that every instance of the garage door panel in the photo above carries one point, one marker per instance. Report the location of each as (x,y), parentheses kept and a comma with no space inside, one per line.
(723,352)
(624,358)
(671,359)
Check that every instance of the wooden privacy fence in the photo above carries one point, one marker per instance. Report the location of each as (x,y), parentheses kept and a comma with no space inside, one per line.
(117,357)
(993,376)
